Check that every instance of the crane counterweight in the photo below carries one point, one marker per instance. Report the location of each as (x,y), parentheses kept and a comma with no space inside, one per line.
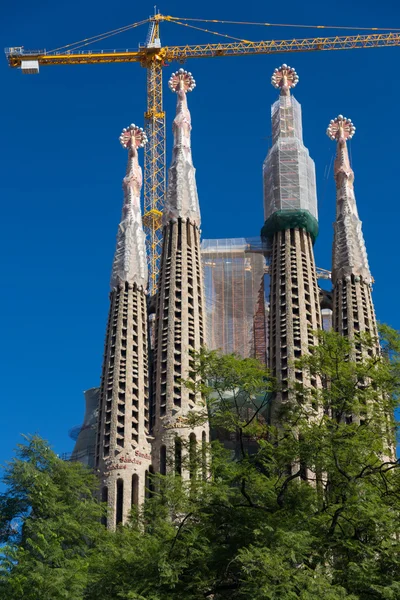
(30,67)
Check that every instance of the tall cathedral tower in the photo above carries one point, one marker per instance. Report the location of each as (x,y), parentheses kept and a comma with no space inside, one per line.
(180,310)
(353,310)
(291,226)
(123,452)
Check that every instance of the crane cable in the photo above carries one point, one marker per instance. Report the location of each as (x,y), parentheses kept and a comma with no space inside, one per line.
(179,21)
(284,24)
(212,32)
(99,37)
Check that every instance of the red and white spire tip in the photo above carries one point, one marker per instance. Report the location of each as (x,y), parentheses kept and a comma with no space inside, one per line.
(181,80)
(340,129)
(133,136)
(284,78)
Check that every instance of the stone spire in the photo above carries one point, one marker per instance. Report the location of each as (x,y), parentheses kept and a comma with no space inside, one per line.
(291,226)
(180,308)
(122,446)
(130,264)
(182,201)
(349,253)
(353,309)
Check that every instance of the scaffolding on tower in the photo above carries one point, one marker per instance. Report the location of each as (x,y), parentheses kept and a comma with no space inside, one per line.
(236,288)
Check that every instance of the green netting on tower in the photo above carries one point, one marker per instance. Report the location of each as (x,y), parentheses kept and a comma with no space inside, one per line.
(290,219)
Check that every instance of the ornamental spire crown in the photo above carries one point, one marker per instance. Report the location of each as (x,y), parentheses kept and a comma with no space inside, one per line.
(349,252)
(182,200)
(130,264)
(284,78)
(340,130)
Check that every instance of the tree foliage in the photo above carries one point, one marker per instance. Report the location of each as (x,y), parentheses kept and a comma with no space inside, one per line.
(310,510)
(49,525)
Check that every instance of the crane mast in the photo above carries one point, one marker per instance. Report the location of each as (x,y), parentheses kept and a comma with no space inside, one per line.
(154,57)
(154,157)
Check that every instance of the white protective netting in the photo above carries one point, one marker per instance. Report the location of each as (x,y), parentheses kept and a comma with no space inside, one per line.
(236,290)
(288,171)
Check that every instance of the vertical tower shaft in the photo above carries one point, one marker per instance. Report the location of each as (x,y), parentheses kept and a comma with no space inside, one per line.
(291,226)
(179,328)
(353,310)
(122,449)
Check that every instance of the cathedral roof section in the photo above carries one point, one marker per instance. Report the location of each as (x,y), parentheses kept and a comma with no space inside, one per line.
(130,264)
(289,171)
(349,252)
(182,200)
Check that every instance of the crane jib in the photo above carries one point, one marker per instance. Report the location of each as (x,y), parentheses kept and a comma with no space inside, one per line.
(16,56)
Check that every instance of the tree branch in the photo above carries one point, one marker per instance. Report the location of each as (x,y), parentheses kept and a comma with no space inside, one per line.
(279,498)
(178,532)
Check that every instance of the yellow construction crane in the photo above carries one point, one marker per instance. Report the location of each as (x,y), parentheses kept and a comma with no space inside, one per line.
(154,57)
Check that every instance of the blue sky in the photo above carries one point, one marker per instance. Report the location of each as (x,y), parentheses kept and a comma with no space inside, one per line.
(61,168)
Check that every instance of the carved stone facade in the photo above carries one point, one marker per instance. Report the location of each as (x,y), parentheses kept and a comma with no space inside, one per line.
(123,450)
(294,306)
(180,310)
(168,432)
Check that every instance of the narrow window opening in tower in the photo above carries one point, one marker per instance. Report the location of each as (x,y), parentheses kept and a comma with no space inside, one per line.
(163,460)
(120,502)
(104,498)
(303,471)
(151,484)
(192,456)
(168,232)
(178,456)
(204,455)
(179,244)
(135,490)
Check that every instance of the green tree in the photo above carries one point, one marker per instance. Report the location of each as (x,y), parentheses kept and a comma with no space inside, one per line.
(313,512)
(309,509)
(49,525)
